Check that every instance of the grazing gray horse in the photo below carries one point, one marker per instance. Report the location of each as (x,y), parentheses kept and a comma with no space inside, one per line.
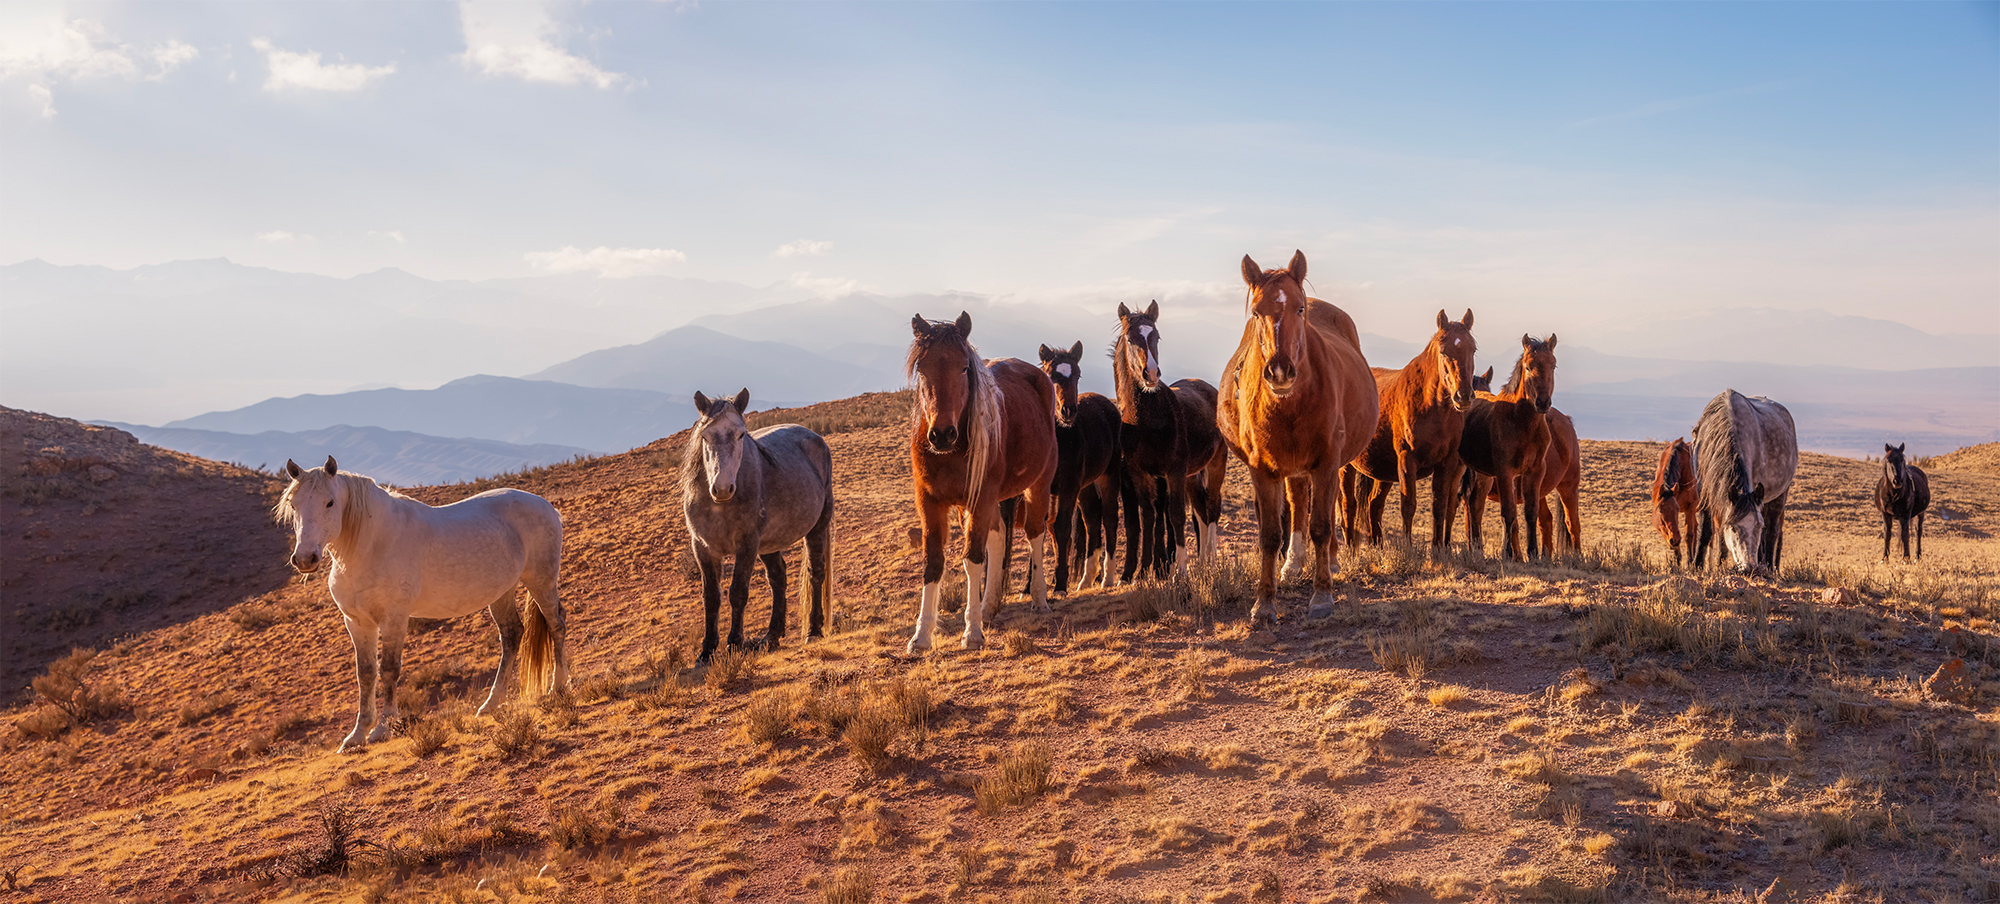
(1747,451)
(753,495)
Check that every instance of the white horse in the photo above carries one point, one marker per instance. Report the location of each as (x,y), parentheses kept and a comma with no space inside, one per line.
(393,558)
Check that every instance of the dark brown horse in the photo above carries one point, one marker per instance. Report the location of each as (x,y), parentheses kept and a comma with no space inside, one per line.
(981,431)
(1423,412)
(1172,452)
(1901,493)
(1677,500)
(1087,467)
(1297,403)
(1506,438)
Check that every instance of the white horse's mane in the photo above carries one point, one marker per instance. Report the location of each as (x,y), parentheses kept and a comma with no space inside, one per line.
(359,496)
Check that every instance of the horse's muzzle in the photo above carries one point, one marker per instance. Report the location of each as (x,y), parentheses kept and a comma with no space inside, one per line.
(305,563)
(1280,374)
(1461,400)
(943,440)
(722,493)
(1066,415)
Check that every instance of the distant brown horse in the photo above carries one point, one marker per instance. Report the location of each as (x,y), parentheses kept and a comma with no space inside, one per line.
(1423,412)
(981,431)
(1562,474)
(1677,500)
(1173,454)
(1901,493)
(1297,403)
(1506,438)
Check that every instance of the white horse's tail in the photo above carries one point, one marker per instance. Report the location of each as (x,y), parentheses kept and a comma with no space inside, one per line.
(538,651)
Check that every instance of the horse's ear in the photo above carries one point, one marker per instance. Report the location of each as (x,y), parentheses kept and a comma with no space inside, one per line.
(1527,341)
(1552,342)
(1077,349)
(743,400)
(292,469)
(1048,354)
(1900,447)
(1467,322)
(1253,275)
(331,468)
(917,325)
(1124,312)
(964,325)
(1153,310)
(1488,375)
(1443,321)
(1297,268)
(700,403)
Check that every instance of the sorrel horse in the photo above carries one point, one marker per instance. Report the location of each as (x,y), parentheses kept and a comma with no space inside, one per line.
(1901,493)
(1507,437)
(392,558)
(753,496)
(1422,414)
(1087,466)
(981,431)
(1562,474)
(1747,451)
(1297,403)
(1172,452)
(1677,499)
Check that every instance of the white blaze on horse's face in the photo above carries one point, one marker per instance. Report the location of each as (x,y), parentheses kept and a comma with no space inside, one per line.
(1284,331)
(1745,537)
(722,453)
(316,518)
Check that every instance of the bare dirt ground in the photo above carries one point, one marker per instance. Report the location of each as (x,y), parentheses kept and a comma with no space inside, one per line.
(1602,727)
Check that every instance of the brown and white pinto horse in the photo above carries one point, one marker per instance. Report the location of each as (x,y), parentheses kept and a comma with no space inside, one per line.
(1677,500)
(981,431)
(1172,452)
(1506,438)
(1423,412)
(1297,403)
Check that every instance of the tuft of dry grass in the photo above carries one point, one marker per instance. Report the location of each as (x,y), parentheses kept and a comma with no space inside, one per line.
(770,717)
(871,731)
(728,668)
(1023,773)
(1446,695)
(428,735)
(67,687)
(575,826)
(1539,768)
(516,734)
(849,885)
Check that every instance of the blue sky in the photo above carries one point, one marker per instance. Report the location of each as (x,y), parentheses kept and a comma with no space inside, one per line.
(1556,161)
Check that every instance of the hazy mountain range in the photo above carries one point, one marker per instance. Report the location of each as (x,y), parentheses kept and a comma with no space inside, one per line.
(393,456)
(93,342)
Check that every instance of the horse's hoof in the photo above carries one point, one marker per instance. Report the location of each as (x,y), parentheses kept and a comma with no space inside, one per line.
(1320,607)
(972,642)
(353,744)
(1263,614)
(769,644)
(917,647)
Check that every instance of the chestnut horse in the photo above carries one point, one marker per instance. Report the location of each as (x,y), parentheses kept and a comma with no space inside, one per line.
(1677,500)
(1562,474)
(1901,493)
(1172,452)
(1423,412)
(1297,403)
(1506,438)
(981,431)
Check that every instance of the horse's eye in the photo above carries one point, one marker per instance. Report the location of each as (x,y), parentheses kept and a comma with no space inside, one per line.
(329,503)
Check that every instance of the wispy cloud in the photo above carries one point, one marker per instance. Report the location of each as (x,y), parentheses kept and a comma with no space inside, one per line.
(827,285)
(518,40)
(395,235)
(281,237)
(803,248)
(48,48)
(610,263)
(292,70)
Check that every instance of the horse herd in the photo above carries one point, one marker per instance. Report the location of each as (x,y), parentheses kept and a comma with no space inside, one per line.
(1005,445)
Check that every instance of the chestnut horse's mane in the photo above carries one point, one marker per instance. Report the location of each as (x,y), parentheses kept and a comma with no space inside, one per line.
(982,421)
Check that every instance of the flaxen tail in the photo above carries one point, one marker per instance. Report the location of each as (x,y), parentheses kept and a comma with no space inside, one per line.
(538,651)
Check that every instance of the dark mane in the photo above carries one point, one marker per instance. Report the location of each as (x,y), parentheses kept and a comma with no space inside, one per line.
(1725,477)
(1514,379)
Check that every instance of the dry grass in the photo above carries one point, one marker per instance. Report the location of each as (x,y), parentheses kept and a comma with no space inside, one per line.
(516,734)
(1446,695)
(1022,774)
(849,885)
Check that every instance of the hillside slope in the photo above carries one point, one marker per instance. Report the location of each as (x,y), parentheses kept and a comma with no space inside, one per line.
(1593,729)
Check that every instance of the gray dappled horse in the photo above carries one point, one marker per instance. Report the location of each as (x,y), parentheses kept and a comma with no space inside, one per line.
(1747,451)
(753,495)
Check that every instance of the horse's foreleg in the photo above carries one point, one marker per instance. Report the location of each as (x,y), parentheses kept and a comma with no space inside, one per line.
(1089,537)
(1176,525)
(711,601)
(1920,536)
(507,619)
(1035,509)
(982,565)
(1297,499)
(1064,528)
(1444,481)
(1271,511)
(1510,513)
(1406,481)
(934,516)
(739,589)
(390,671)
(1135,533)
(1326,548)
(362,634)
(774,574)
(819,571)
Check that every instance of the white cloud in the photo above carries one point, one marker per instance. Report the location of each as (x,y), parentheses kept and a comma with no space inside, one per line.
(45,48)
(827,285)
(610,263)
(281,237)
(395,235)
(519,40)
(803,248)
(304,71)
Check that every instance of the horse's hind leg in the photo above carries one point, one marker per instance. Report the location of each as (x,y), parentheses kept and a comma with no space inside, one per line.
(508,620)
(739,590)
(1064,526)
(819,572)
(390,671)
(774,574)
(1920,536)
(363,636)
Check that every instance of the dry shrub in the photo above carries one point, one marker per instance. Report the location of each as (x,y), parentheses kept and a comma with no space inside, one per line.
(1023,773)
(868,826)
(1845,824)
(1666,617)
(516,734)
(1155,758)
(254,617)
(1018,644)
(1191,677)
(829,710)
(1539,768)
(909,700)
(559,704)
(572,827)
(67,687)
(850,885)
(1446,695)
(1407,650)
(428,735)
(1363,830)
(1221,583)
(1173,833)
(728,668)
(769,717)
(871,731)
(332,850)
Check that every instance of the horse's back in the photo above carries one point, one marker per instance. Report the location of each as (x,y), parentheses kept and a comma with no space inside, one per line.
(1028,403)
(1329,318)
(1776,452)
(796,449)
(796,473)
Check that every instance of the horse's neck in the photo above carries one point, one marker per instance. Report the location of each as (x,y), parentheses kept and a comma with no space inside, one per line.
(1423,378)
(367,505)
(1130,395)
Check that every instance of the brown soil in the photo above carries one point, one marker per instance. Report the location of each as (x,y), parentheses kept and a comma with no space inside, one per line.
(1190,757)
